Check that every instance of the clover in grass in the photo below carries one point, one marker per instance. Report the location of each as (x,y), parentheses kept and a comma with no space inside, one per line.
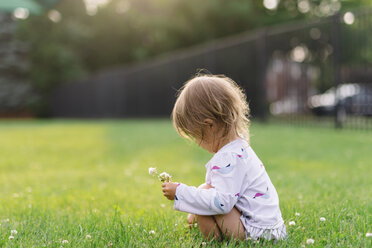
(163,177)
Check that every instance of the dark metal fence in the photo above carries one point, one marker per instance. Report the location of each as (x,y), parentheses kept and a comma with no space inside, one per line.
(309,71)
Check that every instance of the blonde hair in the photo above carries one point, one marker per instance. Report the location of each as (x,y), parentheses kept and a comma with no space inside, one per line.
(215,97)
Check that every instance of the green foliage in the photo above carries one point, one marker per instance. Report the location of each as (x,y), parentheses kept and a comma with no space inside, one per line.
(143,28)
(129,31)
(64,180)
(53,52)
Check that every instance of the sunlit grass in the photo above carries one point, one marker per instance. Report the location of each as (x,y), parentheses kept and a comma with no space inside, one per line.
(64,180)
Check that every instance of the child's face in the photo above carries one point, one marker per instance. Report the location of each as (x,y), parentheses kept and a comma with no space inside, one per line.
(213,138)
(207,143)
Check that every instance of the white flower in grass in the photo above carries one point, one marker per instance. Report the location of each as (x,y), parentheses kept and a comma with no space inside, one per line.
(322,219)
(152,171)
(204,243)
(297,214)
(165,177)
(88,236)
(11,237)
(196,225)
(152,232)
(310,241)
(368,235)
(65,241)
(13,232)
(292,223)
(162,205)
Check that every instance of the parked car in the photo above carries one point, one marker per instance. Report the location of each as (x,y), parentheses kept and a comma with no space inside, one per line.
(350,99)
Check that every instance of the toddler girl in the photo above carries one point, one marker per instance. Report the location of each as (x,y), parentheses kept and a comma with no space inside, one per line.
(238,199)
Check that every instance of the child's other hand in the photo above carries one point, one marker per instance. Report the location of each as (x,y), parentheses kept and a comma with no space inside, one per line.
(169,190)
(191,219)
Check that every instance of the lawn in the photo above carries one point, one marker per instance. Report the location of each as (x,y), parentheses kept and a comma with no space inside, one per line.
(86,183)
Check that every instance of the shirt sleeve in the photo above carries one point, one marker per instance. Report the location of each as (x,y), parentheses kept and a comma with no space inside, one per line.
(226,178)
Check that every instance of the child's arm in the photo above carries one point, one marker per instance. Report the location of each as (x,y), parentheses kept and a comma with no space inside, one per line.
(226,180)
(203,201)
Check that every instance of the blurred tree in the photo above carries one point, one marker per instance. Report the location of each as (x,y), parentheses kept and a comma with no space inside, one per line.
(72,40)
(54,50)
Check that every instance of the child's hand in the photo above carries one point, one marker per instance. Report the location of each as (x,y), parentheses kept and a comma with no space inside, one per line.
(169,190)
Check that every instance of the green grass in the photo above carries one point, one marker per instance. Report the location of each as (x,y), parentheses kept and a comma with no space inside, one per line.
(62,180)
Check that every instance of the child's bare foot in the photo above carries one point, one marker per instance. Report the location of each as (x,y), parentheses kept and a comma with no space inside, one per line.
(191,219)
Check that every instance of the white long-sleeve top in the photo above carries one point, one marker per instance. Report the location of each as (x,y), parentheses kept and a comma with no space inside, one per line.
(239,179)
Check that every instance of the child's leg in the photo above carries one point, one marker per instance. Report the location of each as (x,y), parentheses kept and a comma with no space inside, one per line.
(207,224)
(208,227)
(230,224)
(226,225)
(191,218)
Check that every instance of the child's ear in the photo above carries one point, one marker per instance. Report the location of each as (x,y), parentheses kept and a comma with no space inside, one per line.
(208,122)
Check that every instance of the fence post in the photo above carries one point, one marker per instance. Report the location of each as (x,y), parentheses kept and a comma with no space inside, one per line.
(336,43)
(262,63)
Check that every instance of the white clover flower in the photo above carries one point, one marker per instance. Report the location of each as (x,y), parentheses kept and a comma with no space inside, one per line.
(11,237)
(152,232)
(292,223)
(13,232)
(64,241)
(88,236)
(310,241)
(204,243)
(195,224)
(322,219)
(297,214)
(165,177)
(368,235)
(152,171)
